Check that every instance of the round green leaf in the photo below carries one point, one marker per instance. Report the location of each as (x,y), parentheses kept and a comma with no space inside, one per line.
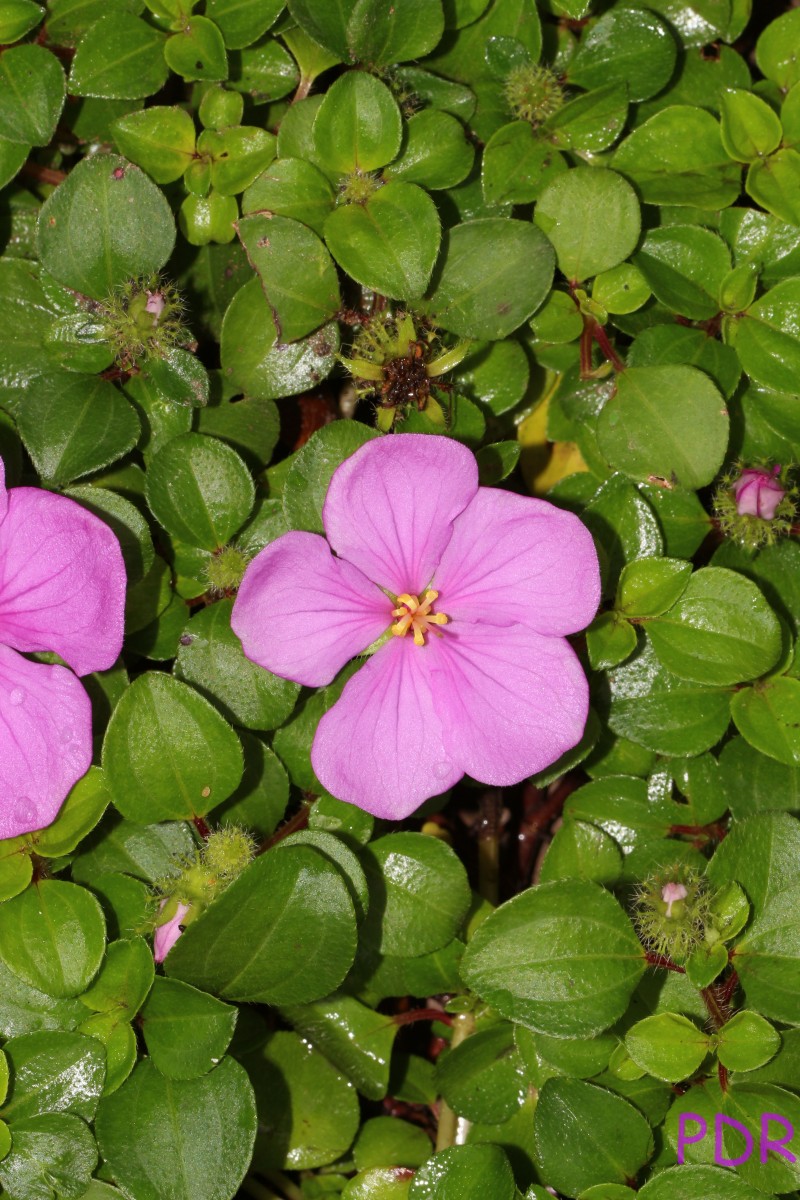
(52,937)
(495,275)
(127,522)
(669,422)
(609,1139)
(465,1173)
(243,22)
(685,266)
(767,339)
(773,182)
(125,978)
(49,1151)
(747,1041)
(355,1039)
(677,157)
(16,867)
(119,57)
(591,216)
(483,1078)
(777,50)
(32,91)
(53,1071)
(380,32)
(389,244)
(18,17)
(292,187)
(768,959)
(300,301)
(435,154)
(167,754)
(311,471)
(419,893)
(79,814)
(384,1140)
(200,490)
(283,933)
(768,716)
(627,45)
(358,125)
(308,1113)
(568,941)
(197,51)
(324,22)
(668,1046)
(194,1137)
(748,1103)
(160,140)
(186,1031)
(721,630)
(582,851)
(517,165)
(104,224)
(238,156)
(750,128)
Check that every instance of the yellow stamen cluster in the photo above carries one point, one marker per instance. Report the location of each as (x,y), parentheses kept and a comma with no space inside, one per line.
(415,614)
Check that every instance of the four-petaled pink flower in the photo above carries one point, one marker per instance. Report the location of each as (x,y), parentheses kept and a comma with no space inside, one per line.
(758,492)
(474,589)
(62,589)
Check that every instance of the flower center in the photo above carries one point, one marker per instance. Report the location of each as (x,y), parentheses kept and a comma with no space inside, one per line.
(415,614)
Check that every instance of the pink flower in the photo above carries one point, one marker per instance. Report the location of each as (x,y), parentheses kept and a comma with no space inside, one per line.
(671,893)
(166,935)
(62,588)
(155,305)
(474,590)
(758,493)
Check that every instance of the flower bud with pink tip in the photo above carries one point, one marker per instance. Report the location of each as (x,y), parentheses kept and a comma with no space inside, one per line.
(758,492)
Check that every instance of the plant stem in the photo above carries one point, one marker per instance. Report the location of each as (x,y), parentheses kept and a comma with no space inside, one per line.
(422,1014)
(489,847)
(293,825)
(257,1190)
(289,1189)
(463,1026)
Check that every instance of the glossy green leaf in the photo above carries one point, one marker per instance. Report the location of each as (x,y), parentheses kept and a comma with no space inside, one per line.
(32,90)
(626,45)
(300,302)
(292,187)
(609,640)
(243,22)
(161,140)
(685,266)
(766,337)
(354,1038)
(53,1071)
(18,17)
(325,21)
(747,1042)
(200,490)
(435,153)
(750,128)
(776,50)
(311,472)
(358,125)
(380,32)
(465,1173)
(592,218)
(119,56)
(768,716)
(517,166)
(49,1151)
(238,155)
(483,1078)
(677,157)
(668,1046)
(104,224)
(78,816)
(650,586)
(52,937)
(582,851)
(186,1031)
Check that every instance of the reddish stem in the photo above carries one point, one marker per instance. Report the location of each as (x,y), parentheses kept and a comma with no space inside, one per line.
(293,825)
(602,339)
(422,1014)
(202,828)
(659,960)
(43,174)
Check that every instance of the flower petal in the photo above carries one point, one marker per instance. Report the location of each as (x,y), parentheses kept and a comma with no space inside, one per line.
(516,559)
(510,700)
(390,506)
(62,581)
(380,746)
(3,490)
(303,614)
(45,741)
(166,935)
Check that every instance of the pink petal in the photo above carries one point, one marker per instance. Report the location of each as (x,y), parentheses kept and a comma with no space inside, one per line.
(510,700)
(390,506)
(516,559)
(62,581)
(303,614)
(45,741)
(3,490)
(380,746)
(166,935)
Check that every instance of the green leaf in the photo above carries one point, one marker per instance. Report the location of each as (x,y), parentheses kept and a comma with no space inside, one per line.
(338,852)
(593,121)
(200,490)
(755,1106)
(283,933)
(49,1151)
(768,716)
(677,157)
(167,754)
(32,91)
(517,166)
(609,1140)
(768,958)
(767,341)
(623,526)
(609,640)
(496,461)
(668,1046)
(759,854)
(198,51)
(772,182)
(18,17)
(465,1173)
(777,50)
(16,867)
(620,805)
(721,631)
(381,32)
(52,937)
(300,301)
(657,710)
(568,940)
(627,45)
(312,469)
(483,1078)
(80,812)
(650,586)
(254,360)
(161,140)
(119,57)
(147,852)
(582,851)
(747,1041)
(308,1113)
(591,216)
(698,1183)
(104,224)
(355,1039)
(750,128)
(178,377)
(389,244)
(53,1071)
(669,422)
(186,1031)
(419,894)
(435,154)
(238,156)
(127,522)
(481,291)
(621,290)
(73,425)
(243,22)
(685,266)
(125,978)
(325,22)
(384,1140)
(250,427)
(194,1136)
(358,125)
(292,187)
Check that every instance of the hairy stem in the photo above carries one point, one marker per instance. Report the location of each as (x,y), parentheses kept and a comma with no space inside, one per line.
(463,1026)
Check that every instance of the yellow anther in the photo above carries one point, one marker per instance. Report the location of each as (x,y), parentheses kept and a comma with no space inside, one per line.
(415,614)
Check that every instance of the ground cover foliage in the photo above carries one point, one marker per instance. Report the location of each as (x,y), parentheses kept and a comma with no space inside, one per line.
(240,240)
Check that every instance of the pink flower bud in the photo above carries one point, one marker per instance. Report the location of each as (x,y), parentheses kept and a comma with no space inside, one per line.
(166,935)
(672,892)
(155,305)
(758,492)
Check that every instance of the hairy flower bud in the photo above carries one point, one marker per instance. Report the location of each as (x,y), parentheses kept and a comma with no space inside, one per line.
(758,492)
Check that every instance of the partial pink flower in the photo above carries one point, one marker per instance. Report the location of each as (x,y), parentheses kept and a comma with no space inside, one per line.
(758,493)
(471,591)
(62,589)
(671,893)
(166,935)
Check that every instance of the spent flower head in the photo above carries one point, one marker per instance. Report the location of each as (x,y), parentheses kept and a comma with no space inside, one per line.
(144,318)
(533,93)
(671,912)
(463,595)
